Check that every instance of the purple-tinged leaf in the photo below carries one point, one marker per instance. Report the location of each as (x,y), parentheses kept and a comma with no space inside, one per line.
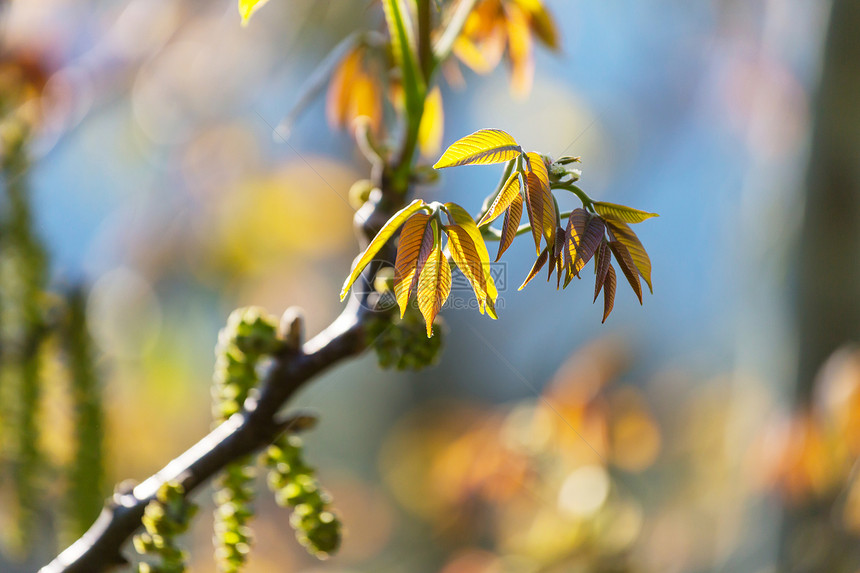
(628,267)
(609,293)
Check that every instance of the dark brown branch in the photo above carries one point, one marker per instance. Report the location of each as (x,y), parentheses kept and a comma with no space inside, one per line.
(245,433)
(252,429)
(258,424)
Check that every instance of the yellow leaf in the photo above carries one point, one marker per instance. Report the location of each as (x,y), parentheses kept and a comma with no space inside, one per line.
(470,254)
(434,283)
(520,51)
(481,44)
(577,224)
(510,190)
(625,235)
(248,7)
(432,124)
(365,100)
(379,241)
(541,22)
(622,213)
(339,93)
(484,55)
(416,242)
(541,207)
(511,224)
(539,263)
(483,147)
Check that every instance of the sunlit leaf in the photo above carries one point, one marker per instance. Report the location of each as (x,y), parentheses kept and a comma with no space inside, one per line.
(470,254)
(541,22)
(539,263)
(365,100)
(584,232)
(339,92)
(434,283)
(248,7)
(628,267)
(539,202)
(481,58)
(519,50)
(432,124)
(481,44)
(512,223)
(558,255)
(625,235)
(403,47)
(510,190)
(587,241)
(379,241)
(601,267)
(622,213)
(413,249)
(609,293)
(483,147)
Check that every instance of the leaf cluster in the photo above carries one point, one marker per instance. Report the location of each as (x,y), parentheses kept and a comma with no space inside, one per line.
(431,234)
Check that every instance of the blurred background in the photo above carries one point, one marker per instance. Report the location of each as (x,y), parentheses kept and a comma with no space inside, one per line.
(715,428)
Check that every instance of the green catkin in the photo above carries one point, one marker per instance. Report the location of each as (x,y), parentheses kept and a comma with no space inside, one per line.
(86,474)
(295,485)
(250,335)
(22,329)
(402,343)
(164,519)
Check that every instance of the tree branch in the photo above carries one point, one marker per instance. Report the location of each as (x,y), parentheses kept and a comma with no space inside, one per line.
(258,424)
(244,433)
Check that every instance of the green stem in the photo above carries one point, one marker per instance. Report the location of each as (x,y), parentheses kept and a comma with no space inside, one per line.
(493,234)
(425,51)
(587,201)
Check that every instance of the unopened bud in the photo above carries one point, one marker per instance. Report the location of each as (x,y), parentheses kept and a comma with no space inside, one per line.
(292,327)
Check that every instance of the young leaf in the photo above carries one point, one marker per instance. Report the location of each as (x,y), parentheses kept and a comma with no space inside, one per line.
(601,267)
(379,241)
(588,241)
(558,256)
(402,46)
(432,124)
(365,100)
(625,261)
(248,7)
(608,293)
(577,224)
(481,42)
(339,93)
(483,147)
(512,222)
(625,235)
(510,190)
(434,283)
(464,252)
(470,254)
(541,22)
(519,50)
(622,213)
(416,242)
(539,263)
(539,201)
